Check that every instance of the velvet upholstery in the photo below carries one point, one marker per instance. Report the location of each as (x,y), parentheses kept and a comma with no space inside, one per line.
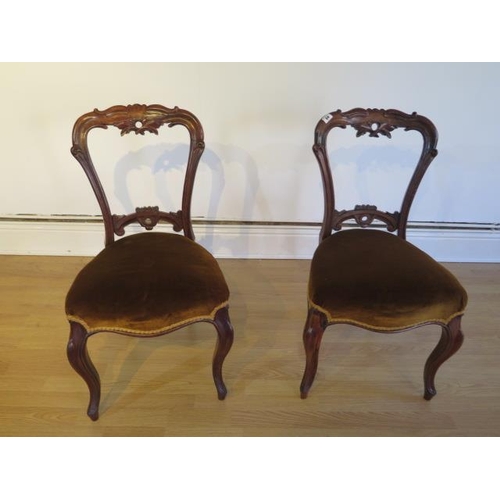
(379,281)
(146,284)
(374,278)
(150,283)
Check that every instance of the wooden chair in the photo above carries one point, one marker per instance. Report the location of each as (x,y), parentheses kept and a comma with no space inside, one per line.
(371,278)
(149,283)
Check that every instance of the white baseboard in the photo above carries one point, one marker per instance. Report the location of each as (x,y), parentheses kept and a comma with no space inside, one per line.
(85,236)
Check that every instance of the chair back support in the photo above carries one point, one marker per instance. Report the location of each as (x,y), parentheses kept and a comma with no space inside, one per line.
(139,118)
(374,122)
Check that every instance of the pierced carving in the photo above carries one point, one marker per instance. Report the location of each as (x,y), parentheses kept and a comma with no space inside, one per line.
(373,129)
(365,219)
(364,215)
(137,119)
(374,122)
(148,218)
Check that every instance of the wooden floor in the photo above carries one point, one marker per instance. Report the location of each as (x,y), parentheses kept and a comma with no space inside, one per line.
(367,384)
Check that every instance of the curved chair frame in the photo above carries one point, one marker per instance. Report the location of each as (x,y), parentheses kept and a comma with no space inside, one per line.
(140,119)
(374,122)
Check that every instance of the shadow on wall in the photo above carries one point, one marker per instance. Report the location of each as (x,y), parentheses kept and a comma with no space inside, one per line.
(377,175)
(245,193)
(159,158)
(166,159)
(371,174)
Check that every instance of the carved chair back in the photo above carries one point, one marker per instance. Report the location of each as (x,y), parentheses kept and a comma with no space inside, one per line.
(374,122)
(140,119)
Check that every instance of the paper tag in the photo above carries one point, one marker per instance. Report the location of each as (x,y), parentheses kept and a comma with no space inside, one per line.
(327,118)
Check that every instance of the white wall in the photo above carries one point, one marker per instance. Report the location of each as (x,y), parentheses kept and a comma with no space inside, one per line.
(259,120)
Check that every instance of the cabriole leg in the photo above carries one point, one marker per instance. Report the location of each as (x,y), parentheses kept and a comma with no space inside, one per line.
(225,337)
(313,333)
(450,342)
(79,359)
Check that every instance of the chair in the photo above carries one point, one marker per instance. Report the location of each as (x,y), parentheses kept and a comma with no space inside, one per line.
(371,278)
(149,283)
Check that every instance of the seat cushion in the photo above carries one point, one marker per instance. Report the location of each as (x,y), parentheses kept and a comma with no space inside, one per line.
(377,280)
(147,283)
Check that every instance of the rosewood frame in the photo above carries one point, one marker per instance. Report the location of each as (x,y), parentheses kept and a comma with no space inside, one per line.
(140,118)
(374,122)
(81,362)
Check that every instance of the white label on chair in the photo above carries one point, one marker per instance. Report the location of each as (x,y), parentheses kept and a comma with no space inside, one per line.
(327,118)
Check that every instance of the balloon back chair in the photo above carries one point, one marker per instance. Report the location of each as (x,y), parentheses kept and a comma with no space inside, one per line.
(373,278)
(148,283)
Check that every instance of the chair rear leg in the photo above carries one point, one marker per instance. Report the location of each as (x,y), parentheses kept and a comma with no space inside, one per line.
(316,323)
(450,342)
(225,337)
(79,359)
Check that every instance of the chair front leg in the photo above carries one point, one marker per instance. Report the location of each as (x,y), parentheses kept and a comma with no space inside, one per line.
(79,359)
(450,342)
(225,336)
(316,323)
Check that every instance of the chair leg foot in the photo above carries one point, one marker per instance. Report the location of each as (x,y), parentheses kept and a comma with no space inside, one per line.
(313,333)
(225,336)
(79,359)
(429,393)
(449,343)
(93,413)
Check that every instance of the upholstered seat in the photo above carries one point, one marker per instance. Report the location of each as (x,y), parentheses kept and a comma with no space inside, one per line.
(376,280)
(370,277)
(147,283)
(150,283)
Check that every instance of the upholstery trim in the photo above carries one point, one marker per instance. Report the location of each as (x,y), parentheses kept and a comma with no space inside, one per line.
(160,331)
(367,326)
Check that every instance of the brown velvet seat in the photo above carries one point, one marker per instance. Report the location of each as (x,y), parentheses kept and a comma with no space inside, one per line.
(378,281)
(369,277)
(149,283)
(172,283)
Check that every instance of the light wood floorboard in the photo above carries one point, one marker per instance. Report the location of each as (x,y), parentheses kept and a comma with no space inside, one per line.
(368,384)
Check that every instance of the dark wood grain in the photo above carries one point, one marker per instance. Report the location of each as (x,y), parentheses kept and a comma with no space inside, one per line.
(225,337)
(316,323)
(374,123)
(449,343)
(139,119)
(79,359)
